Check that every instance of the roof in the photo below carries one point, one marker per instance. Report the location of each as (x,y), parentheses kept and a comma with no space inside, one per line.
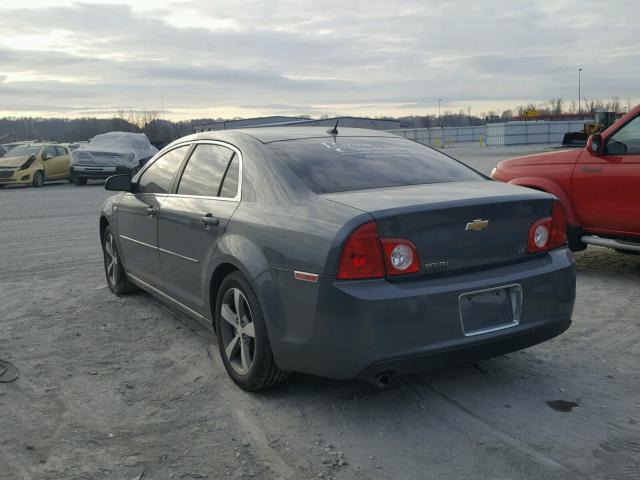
(275,134)
(279,134)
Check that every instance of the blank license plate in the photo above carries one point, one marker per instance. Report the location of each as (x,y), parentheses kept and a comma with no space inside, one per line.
(489,310)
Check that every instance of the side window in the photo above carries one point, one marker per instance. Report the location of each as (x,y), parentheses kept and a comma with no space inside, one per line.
(626,140)
(61,151)
(230,183)
(205,170)
(49,152)
(158,177)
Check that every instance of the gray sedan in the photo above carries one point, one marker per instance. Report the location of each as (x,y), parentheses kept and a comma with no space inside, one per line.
(345,253)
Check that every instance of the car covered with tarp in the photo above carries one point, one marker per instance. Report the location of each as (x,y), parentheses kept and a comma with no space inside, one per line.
(110,154)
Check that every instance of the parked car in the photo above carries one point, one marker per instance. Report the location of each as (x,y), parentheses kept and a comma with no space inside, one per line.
(34,164)
(75,145)
(110,154)
(597,185)
(344,254)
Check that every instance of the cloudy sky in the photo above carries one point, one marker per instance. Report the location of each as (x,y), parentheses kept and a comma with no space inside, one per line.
(209,58)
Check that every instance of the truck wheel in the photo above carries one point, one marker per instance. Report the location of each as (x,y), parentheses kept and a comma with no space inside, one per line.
(38,179)
(242,336)
(79,181)
(574,237)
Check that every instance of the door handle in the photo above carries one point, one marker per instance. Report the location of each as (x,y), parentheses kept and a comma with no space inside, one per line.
(209,221)
(152,211)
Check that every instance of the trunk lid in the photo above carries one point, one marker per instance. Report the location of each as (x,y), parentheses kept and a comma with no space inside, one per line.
(455,226)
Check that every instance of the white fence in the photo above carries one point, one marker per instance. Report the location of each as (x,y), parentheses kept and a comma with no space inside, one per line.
(527,133)
(509,133)
(441,136)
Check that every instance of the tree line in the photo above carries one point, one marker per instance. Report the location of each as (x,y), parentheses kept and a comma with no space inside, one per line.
(161,131)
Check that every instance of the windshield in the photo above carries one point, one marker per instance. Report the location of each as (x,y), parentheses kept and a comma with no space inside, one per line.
(22,151)
(326,165)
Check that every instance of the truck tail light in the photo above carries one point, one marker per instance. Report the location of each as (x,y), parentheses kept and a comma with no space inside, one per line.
(549,232)
(366,255)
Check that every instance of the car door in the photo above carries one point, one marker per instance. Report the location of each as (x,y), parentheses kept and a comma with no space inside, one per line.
(50,163)
(193,218)
(62,161)
(605,185)
(137,217)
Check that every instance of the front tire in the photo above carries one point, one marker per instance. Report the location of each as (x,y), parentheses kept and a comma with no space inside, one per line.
(38,179)
(79,181)
(116,276)
(242,336)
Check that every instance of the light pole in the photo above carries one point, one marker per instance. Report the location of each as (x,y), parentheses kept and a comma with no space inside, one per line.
(439,119)
(579,72)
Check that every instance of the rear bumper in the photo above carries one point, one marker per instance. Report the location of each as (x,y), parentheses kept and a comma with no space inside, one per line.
(91,172)
(509,341)
(360,329)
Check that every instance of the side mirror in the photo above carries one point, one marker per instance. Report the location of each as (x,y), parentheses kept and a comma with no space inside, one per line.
(594,144)
(119,183)
(45,157)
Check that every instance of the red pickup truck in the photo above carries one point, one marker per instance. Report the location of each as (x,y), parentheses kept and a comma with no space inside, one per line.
(598,186)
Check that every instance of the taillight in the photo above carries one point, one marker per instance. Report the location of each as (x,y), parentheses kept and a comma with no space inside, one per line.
(400,256)
(362,255)
(549,232)
(366,255)
(558,226)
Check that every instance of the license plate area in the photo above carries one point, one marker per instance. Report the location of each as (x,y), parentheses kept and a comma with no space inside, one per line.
(488,310)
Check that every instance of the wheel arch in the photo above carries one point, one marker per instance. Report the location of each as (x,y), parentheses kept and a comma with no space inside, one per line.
(236,252)
(217,277)
(549,186)
(104,223)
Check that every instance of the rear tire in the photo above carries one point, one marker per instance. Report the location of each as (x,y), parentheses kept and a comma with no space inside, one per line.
(79,181)
(38,179)
(116,276)
(242,336)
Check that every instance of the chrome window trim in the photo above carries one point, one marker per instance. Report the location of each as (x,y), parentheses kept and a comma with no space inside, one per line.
(190,143)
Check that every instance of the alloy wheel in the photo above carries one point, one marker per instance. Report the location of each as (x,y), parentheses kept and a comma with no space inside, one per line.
(237,331)
(111,263)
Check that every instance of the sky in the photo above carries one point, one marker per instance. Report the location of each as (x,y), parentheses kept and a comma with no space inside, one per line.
(209,58)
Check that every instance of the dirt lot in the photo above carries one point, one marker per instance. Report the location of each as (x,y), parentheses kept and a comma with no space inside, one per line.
(118,387)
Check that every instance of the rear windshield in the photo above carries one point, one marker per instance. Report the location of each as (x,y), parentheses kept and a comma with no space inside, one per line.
(351,163)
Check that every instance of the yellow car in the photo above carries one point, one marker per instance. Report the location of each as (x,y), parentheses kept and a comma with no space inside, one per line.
(33,164)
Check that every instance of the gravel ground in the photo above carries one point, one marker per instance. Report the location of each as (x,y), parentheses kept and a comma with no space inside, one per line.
(126,388)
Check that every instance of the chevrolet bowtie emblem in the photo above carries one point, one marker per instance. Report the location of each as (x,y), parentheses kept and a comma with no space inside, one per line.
(477,225)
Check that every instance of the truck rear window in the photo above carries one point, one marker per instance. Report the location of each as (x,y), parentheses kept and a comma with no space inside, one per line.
(326,165)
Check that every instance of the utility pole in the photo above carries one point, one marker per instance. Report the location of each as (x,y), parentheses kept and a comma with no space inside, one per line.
(579,93)
(439,118)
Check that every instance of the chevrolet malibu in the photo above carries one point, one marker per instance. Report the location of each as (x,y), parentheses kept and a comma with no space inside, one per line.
(345,253)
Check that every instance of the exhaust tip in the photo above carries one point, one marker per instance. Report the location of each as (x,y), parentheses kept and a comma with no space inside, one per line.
(383,380)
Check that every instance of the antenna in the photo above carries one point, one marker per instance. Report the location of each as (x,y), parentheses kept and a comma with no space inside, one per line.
(334,130)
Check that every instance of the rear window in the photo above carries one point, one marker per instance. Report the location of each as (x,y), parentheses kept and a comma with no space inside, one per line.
(351,163)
